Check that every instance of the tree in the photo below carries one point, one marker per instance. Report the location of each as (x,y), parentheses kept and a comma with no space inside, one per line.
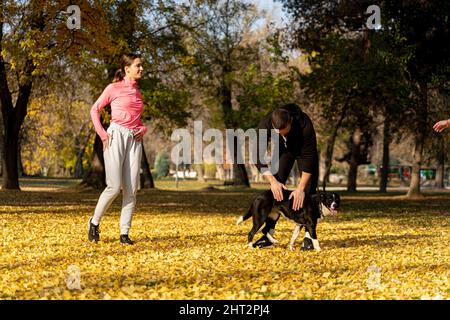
(215,37)
(436,146)
(32,35)
(423,27)
(416,33)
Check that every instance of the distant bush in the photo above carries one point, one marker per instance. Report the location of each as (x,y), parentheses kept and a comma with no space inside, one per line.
(162,163)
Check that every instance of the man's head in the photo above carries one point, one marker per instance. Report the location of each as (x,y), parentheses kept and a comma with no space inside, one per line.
(281,121)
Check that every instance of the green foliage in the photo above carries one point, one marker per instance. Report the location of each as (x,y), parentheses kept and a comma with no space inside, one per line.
(162,163)
(260,93)
(166,107)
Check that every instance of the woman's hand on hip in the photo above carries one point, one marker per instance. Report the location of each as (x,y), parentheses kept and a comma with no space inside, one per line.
(139,135)
(106,142)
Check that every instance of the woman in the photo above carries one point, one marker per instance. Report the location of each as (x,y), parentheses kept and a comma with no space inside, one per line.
(122,147)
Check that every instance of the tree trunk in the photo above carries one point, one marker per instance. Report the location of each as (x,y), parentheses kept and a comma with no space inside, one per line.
(328,158)
(419,139)
(1,147)
(220,172)
(79,169)
(331,141)
(440,172)
(95,178)
(12,121)
(10,174)
(414,187)
(240,176)
(354,160)
(146,175)
(20,169)
(386,156)
(200,173)
(13,116)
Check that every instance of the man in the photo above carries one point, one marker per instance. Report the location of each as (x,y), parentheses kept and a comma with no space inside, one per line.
(297,143)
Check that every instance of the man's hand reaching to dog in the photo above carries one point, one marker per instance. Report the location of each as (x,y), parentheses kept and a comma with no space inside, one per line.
(299,193)
(276,187)
(299,196)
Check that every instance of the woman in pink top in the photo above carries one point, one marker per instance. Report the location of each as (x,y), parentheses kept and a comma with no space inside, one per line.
(122,147)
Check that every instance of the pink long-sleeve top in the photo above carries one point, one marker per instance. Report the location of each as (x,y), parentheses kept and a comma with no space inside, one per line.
(126,106)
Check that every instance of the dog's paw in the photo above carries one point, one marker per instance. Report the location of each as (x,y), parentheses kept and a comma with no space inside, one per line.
(316,244)
(307,244)
(291,247)
(271,238)
(239,220)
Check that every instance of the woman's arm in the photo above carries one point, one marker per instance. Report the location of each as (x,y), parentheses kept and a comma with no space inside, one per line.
(104,99)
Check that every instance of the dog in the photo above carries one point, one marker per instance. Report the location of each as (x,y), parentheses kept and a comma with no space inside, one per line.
(314,207)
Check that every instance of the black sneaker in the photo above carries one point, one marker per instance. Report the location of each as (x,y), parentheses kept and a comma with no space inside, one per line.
(124,239)
(307,244)
(264,242)
(93,234)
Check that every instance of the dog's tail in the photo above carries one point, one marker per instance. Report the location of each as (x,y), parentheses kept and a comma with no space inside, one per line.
(245,216)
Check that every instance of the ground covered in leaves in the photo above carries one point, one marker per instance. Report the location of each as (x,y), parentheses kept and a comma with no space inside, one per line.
(188,247)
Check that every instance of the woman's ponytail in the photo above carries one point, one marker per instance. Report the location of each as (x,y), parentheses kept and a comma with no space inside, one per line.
(119,75)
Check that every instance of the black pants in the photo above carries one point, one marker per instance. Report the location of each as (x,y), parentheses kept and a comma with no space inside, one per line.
(285,166)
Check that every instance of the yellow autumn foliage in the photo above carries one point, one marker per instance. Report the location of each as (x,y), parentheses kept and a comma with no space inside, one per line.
(188,247)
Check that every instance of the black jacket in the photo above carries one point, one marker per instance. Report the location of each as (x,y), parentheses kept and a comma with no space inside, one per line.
(300,142)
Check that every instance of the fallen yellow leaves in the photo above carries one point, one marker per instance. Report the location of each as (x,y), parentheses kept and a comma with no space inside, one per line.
(192,249)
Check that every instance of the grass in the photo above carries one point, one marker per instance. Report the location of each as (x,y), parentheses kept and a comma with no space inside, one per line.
(188,247)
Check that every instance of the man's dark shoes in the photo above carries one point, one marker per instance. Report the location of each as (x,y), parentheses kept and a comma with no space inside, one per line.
(264,242)
(307,244)
(93,234)
(124,239)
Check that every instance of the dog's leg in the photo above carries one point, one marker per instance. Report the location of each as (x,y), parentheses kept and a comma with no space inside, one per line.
(258,221)
(270,233)
(251,235)
(311,233)
(294,237)
(316,244)
(271,238)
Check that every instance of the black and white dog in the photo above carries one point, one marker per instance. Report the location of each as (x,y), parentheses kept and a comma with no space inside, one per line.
(265,205)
